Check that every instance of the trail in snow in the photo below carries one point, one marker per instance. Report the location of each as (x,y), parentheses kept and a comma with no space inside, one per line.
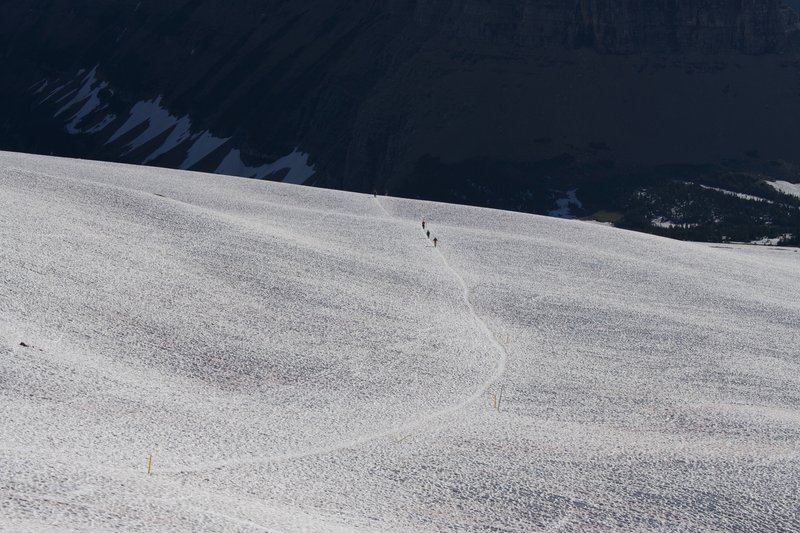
(228,320)
(467,300)
(418,422)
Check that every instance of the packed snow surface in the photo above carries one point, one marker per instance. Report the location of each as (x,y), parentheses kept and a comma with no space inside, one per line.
(297,359)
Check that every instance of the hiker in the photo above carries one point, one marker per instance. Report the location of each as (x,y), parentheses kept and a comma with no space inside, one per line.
(429,234)
(423,223)
(435,240)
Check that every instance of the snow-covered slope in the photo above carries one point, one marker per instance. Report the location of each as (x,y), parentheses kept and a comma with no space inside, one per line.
(786,187)
(297,359)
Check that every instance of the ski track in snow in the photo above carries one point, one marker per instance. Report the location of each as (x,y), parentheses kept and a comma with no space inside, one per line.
(426,419)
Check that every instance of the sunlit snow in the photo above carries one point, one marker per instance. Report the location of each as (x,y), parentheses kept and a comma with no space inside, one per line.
(774,241)
(661,222)
(786,187)
(743,196)
(298,359)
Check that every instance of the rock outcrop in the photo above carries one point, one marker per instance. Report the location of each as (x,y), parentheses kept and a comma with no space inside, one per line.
(618,26)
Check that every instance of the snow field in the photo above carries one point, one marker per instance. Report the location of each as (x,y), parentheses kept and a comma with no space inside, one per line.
(298,359)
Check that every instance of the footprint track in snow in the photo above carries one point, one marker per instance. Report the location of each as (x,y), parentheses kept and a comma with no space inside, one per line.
(425,420)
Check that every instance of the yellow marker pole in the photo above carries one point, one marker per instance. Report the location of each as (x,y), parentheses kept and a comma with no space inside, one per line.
(149,464)
(500,397)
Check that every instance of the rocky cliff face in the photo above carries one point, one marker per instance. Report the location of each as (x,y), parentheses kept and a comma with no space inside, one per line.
(618,26)
(491,101)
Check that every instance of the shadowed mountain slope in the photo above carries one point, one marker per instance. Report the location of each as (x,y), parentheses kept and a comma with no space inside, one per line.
(508,103)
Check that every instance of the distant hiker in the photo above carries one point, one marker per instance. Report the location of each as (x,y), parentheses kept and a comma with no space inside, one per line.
(429,234)
(435,240)
(423,223)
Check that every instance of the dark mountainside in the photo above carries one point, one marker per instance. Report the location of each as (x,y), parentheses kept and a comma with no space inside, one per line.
(646,109)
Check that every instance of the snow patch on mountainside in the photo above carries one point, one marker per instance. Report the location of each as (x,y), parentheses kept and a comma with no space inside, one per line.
(775,241)
(661,222)
(39,87)
(157,120)
(59,91)
(88,96)
(786,187)
(565,205)
(743,196)
(101,124)
(82,100)
(204,143)
(296,162)
(181,130)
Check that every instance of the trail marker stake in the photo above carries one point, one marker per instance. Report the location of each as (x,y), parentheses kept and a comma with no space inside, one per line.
(149,463)
(500,397)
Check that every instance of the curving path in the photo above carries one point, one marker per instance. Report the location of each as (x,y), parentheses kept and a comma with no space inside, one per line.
(422,421)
